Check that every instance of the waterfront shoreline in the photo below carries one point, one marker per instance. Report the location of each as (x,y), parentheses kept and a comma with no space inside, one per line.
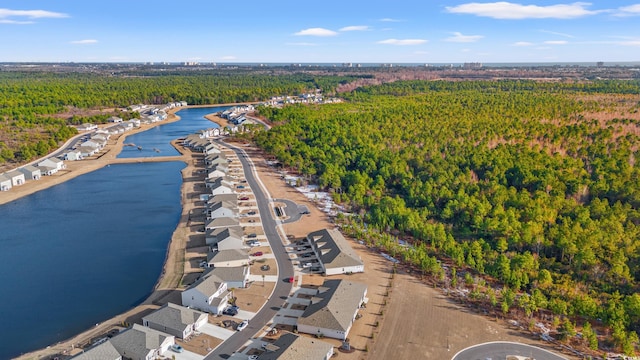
(168,282)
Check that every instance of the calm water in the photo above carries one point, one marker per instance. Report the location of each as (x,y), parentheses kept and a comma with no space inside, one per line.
(79,253)
(156,141)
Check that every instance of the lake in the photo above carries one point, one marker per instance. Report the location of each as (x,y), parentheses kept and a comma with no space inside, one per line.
(83,251)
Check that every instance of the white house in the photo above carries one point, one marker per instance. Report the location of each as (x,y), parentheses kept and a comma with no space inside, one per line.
(5,183)
(219,186)
(103,351)
(176,320)
(87,151)
(208,294)
(94,143)
(73,155)
(52,162)
(228,258)
(30,172)
(215,158)
(17,177)
(234,277)
(334,252)
(142,343)
(217,223)
(333,309)
(87,127)
(216,173)
(225,238)
(114,119)
(292,346)
(222,209)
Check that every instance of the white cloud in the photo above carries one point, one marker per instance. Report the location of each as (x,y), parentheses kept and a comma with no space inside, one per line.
(458,37)
(522,43)
(557,33)
(403,41)
(507,10)
(390,20)
(355,28)
(301,44)
(7,16)
(631,10)
(556,42)
(316,32)
(84,42)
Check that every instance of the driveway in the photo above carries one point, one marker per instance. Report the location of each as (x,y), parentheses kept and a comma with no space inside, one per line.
(216,331)
(185,355)
(499,350)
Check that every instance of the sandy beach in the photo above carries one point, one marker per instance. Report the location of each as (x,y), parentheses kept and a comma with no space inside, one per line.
(173,269)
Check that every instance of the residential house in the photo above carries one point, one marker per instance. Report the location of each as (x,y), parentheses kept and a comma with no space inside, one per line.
(30,172)
(52,162)
(222,209)
(142,343)
(94,143)
(333,309)
(87,127)
(220,186)
(101,137)
(103,351)
(73,155)
(234,277)
(207,294)
(225,238)
(87,151)
(221,223)
(5,183)
(17,177)
(334,252)
(292,347)
(217,172)
(219,158)
(176,320)
(114,119)
(228,258)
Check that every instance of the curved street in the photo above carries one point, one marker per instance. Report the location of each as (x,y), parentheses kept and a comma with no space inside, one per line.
(285,267)
(499,350)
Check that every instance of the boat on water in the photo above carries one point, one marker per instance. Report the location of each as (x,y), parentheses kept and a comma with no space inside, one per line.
(140,148)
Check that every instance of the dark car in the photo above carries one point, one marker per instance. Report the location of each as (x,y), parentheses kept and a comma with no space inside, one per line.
(230,311)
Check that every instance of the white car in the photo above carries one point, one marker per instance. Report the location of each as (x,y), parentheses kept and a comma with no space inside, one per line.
(253,243)
(306,265)
(242,325)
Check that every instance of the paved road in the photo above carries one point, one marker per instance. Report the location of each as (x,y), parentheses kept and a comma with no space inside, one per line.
(291,210)
(500,350)
(285,268)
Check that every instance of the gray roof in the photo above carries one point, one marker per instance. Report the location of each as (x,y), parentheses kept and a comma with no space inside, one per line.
(104,351)
(228,255)
(207,285)
(222,222)
(210,157)
(224,197)
(226,232)
(14,173)
(334,305)
(333,249)
(213,206)
(295,347)
(227,274)
(4,178)
(139,340)
(174,317)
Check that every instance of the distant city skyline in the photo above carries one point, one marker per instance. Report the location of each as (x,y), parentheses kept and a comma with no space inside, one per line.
(319,32)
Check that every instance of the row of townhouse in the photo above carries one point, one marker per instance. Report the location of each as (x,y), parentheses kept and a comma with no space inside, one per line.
(26,173)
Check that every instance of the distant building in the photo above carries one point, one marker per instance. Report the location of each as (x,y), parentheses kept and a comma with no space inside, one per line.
(334,252)
(176,320)
(291,346)
(142,343)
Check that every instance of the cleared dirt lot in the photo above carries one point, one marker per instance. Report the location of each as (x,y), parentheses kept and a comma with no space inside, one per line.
(253,297)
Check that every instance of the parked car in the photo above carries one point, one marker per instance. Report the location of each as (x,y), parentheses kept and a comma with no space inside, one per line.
(230,311)
(240,186)
(243,325)
(306,265)
(177,348)
(305,212)
(265,267)
(251,213)
(252,236)
(253,243)
(257,253)
(244,198)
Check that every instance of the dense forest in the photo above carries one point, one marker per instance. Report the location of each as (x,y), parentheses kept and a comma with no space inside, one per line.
(533,185)
(37,107)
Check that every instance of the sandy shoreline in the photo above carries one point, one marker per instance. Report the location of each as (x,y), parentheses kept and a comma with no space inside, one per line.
(173,268)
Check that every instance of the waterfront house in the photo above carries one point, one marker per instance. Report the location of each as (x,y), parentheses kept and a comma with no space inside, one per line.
(30,172)
(292,346)
(142,343)
(207,294)
(87,127)
(334,252)
(217,172)
(101,137)
(222,209)
(114,119)
(103,351)
(228,258)
(176,320)
(225,238)
(233,198)
(234,277)
(5,183)
(212,158)
(86,151)
(333,309)
(17,177)
(221,223)
(52,162)
(220,186)
(73,155)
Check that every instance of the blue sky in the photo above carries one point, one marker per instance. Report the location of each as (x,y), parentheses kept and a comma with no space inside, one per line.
(399,31)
